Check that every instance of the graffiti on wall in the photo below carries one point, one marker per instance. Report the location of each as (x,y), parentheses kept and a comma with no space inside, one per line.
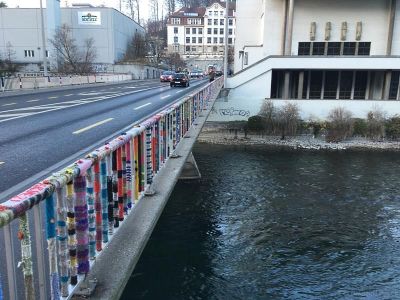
(234,112)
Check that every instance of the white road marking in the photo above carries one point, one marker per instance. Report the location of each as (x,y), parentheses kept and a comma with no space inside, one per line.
(179,92)
(1,163)
(163,97)
(92,126)
(141,106)
(53,97)
(9,104)
(69,95)
(34,100)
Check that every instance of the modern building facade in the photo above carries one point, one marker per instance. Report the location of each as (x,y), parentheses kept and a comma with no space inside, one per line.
(111,30)
(200,32)
(340,51)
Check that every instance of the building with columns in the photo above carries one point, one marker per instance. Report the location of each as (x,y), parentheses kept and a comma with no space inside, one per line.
(198,34)
(318,50)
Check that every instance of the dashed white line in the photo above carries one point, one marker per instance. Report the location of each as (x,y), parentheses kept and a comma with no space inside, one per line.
(141,106)
(2,162)
(163,97)
(34,100)
(69,95)
(92,126)
(179,92)
(9,104)
(53,97)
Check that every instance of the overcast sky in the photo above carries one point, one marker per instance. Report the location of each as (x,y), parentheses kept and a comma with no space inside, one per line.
(109,3)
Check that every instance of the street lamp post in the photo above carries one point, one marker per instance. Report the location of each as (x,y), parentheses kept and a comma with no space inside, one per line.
(226,43)
(43,41)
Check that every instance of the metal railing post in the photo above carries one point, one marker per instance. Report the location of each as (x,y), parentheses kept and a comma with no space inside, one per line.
(40,259)
(10,261)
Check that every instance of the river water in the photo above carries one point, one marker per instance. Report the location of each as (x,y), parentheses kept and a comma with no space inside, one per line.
(277,224)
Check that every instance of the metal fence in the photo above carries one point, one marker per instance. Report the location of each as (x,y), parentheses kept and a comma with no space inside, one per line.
(85,203)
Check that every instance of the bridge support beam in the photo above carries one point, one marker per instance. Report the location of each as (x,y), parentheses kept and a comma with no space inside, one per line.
(190,170)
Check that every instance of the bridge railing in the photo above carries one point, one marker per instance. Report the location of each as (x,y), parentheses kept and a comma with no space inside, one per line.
(85,204)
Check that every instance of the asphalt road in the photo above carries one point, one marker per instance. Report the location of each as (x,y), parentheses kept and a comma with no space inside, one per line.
(43,131)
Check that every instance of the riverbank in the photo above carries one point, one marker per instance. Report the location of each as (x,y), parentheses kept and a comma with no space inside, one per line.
(304,142)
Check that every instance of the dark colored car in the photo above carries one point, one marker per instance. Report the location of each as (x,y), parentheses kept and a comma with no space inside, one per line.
(180,79)
(166,76)
(219,73)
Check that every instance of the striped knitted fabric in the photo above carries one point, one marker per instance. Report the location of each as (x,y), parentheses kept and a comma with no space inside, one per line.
(26,256)
(124,187)
(73,264)
(52,249)
(136,167)
(62,241)
(97,206)
(1,289)
(149,162)
(120,185)
(115,189)
(129,177)
(142,161)
(82,224)
(110,198)
(104,200)
(90,206)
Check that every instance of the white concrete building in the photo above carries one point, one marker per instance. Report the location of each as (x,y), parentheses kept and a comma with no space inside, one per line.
(198,34)
(111,30)
(338,52)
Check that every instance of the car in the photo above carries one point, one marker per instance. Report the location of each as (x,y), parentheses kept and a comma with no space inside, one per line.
(166,76)
(180,79)
(196,74)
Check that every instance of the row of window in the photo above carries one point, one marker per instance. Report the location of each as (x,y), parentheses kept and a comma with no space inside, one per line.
(200,30)
(221,22)
(195,49)
(31,53)
(210,13)
(334,48)
(200,40)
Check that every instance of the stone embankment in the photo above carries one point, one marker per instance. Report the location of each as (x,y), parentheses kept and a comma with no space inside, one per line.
(306,142)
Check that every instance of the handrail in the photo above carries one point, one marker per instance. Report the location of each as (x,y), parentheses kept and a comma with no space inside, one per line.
(87,201)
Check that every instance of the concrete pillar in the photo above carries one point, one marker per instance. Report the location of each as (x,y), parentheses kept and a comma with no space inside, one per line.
(286,85)
(353,85)
(386,85)
(289,28)
(300,86)
(190,170)
(284,26)
(308,85)
(392,15)
(268,82)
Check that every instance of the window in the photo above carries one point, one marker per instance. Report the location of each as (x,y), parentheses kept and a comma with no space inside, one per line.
(315,84)
(209,22)
(188,40)
(175,29)
(215,13)
(194,30)
(364,48)
(230,22)
(346,82)
(215,49)
(221,12)
(394,85)
(187,30)
(187,48)
(215,21)
(349,48)
(230,41)
(221,31)
(230,31)
(333,48)
(200,30)
(208,40)
(210,12)
(47,53)
(221,40)
(221,21)
(246,58)
(208,30)
(215,40)
(200,40)
(29,53)
(194,49)
(331,82)
(215,30)
(176,21)
(175,39)
(360,85)
(193,40)
(304,48)
(318,48)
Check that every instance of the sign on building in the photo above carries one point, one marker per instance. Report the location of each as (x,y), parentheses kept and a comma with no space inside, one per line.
(89,18)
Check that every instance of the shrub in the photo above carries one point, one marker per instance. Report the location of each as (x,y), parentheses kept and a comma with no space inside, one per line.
(393,127)
(268,112)
(376,124)
(360,127)
(256,123)
(340,125)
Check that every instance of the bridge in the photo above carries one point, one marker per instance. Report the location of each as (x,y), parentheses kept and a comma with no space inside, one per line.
(81,230)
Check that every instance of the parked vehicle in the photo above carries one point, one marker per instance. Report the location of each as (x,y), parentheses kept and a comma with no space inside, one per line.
(166,76)
(180,79)
(196,74)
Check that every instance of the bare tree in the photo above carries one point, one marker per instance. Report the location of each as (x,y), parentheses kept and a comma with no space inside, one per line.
(287,119)
(340,124)
(71,59)
(268,112)
(376,124)
(3,4)
(134,9)
(136,49)
(171,6)
(174,60)
(7,59)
